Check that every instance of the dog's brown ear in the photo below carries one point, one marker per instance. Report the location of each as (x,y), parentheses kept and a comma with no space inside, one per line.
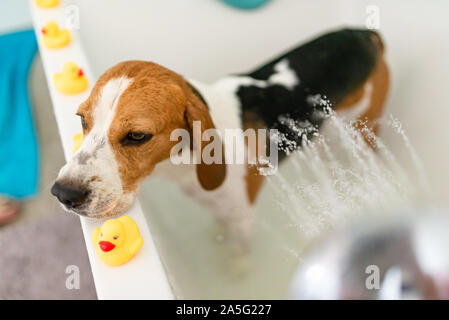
(210,176)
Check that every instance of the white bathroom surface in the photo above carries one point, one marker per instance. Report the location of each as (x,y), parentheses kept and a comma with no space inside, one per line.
(205,39)
(130,281)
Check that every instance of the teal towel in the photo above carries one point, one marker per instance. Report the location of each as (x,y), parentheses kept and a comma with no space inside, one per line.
(18,146)
(246,4)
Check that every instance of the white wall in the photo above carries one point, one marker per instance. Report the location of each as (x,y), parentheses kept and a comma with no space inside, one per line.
(14,15)
(204,39)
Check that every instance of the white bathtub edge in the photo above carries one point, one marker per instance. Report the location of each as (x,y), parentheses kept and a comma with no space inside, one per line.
(144,276)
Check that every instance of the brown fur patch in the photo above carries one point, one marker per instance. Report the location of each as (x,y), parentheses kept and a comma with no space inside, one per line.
(210,176)
(95,178)
(380,80)
(381,83)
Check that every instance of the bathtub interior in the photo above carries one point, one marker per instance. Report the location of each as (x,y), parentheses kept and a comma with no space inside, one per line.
(197,256)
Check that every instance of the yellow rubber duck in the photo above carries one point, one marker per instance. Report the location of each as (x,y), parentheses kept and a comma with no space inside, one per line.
(53,37)
(47,3)
(71,80)
(77,141)
(117,241)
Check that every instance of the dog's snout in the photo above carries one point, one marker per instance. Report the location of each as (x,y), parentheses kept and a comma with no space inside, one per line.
(70,196)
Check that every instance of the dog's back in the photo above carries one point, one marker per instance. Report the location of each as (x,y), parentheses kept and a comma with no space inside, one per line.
(328,69)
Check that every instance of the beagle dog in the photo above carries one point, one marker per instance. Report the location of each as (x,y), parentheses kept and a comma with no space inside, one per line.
(135,106)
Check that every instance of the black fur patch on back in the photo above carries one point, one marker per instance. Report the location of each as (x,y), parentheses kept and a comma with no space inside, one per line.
(329,68)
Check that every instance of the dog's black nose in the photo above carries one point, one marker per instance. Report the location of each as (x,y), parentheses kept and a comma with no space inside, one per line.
(70,196)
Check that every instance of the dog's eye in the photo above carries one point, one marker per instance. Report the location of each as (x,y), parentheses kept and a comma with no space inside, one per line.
(135,138)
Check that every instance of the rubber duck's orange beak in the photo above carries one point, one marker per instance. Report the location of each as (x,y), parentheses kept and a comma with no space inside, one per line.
(80,73)
(106,246)
(44,31)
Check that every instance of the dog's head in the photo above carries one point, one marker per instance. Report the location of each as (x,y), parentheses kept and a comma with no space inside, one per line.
(127,122)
